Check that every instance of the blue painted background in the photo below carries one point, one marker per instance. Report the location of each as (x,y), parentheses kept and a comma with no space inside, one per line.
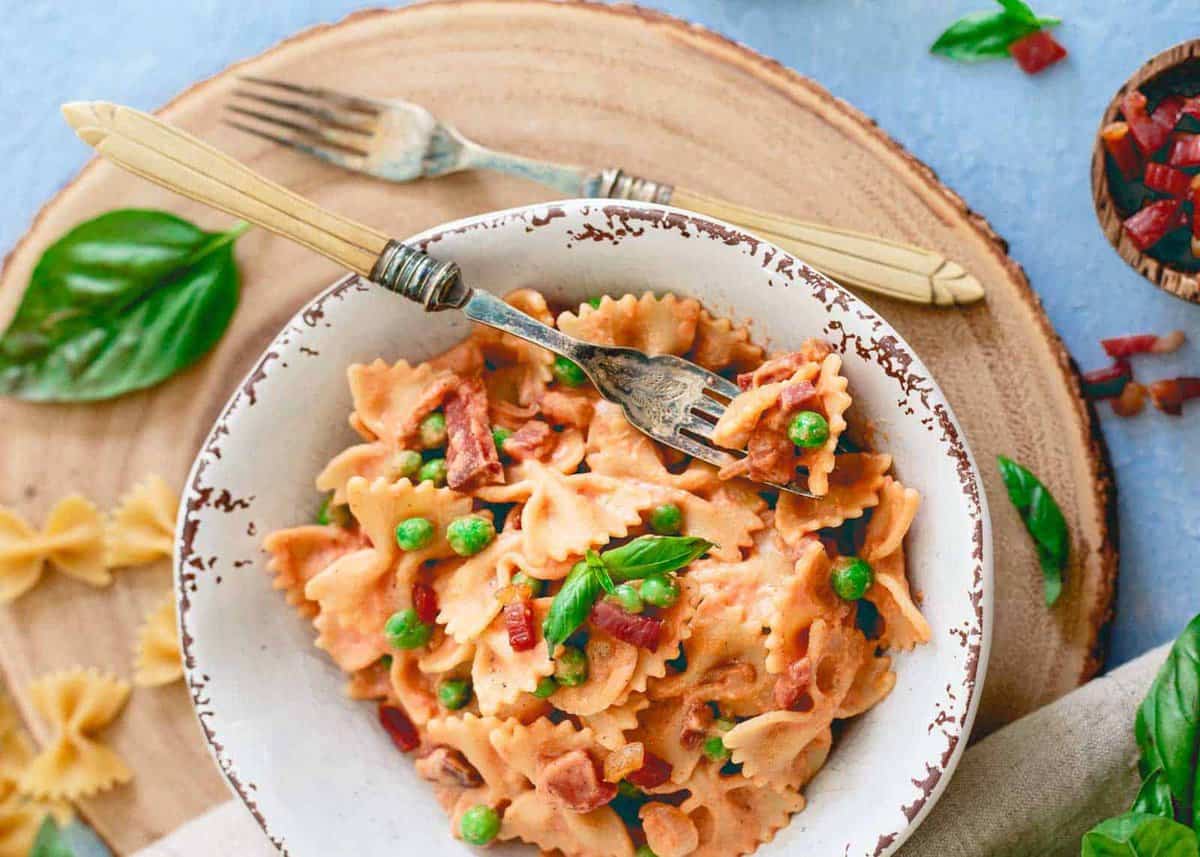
(1016,148)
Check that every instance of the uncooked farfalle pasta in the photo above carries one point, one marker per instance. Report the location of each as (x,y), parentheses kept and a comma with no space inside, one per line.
(588,641)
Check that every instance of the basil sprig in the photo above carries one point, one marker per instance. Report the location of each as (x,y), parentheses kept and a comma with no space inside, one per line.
(1043,519)
(1162,820)
(987,35)
(118,304)
(594,576)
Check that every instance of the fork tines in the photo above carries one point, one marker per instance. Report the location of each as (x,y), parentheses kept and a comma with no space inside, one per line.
(320,122)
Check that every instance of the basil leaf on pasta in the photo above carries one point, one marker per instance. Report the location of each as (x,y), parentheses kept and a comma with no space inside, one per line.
(648,555)
(571,605)
(597,567)
(1154,796)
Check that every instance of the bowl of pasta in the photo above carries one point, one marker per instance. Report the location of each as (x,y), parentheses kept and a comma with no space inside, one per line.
(435,592)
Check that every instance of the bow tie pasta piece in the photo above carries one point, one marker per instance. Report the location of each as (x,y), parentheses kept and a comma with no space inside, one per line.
(72,539)
(301,553)
(500,675)
(391,401)
(750,584)
(371,461)
(445,654)
(157,659)
(563,451)
(611,664)
(142,529)
(834,401)
(77,704)
(872,682)
(732,815)
(771,747)
(611,724)
(521,370)
(362,578)
(465,766)
(665,325)
(720,345)
(466,588)
(677,628)
(853,488)
(725,664)
(736,426)
(533,819)
(883,547)
(565,515)
(562,762)
(412,688)
(724,520)
(372,682)
(20,820)
(804,598)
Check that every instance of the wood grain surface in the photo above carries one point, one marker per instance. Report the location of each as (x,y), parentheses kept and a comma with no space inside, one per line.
(1182,284)
(584,84)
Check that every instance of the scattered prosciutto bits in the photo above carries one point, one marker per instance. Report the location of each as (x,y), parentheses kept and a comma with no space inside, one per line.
(1128,397)
(1037,51)
(1153,155)
(399,728)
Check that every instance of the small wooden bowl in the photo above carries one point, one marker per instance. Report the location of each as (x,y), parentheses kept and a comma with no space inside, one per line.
(1179,63)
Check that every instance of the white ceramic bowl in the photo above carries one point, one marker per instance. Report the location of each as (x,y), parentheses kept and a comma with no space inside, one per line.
(315,769)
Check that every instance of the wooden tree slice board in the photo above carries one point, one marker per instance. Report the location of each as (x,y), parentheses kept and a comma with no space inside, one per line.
(583,84)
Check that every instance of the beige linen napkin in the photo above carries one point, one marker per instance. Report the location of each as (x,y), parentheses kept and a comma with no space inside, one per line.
(1032,788)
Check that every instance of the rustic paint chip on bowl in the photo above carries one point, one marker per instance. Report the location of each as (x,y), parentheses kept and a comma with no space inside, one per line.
(314,768)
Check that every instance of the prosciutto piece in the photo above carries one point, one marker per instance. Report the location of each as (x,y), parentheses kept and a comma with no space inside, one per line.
(471,458)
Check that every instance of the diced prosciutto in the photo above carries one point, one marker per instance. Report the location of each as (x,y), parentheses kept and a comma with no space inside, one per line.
(792,688)
(645,632)
(448,767)
(653,772)
(796,395)
(770,454)
(535,439)
(572,780)
(471,457)
(697,720)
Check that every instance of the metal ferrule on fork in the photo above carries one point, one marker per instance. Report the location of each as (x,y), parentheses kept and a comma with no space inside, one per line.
(615,183)
(419,277)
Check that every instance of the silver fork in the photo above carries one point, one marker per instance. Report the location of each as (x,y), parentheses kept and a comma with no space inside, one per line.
(401,141)
(671,400)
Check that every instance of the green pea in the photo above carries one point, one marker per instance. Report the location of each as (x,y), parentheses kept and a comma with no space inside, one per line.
(406,463)
(535,586)
(715,749)
(724,724)
(405,630)
(454,693)
(470,534)
(568,372)
(627,598)
(659,590)
(851,577)
(499,435)
(545,687)
(570,667)
(644,851)
(666,520)
(433,470)
(412,534)
(628,790)
(594,302)
(808,429)
(433,430)
(479,824)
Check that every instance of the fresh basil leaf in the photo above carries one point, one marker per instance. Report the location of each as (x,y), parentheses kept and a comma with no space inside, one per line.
(119,303)
(1168,721)
(648,555)
(1043,519)
(1137,834)
(571,605)
(1017,480)
(1154,797)
(598,568)
(1052,578)
(1019,10)
(980,36)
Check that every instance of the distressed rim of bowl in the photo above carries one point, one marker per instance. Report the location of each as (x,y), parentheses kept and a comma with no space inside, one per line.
(1172,281)
(895,358)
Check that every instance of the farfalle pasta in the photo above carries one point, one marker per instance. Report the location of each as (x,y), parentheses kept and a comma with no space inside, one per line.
(157,659)
(72,540)
(590,642)
(142,527)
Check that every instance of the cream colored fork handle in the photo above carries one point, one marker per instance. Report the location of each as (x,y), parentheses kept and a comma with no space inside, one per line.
(179,162)
(875,264)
